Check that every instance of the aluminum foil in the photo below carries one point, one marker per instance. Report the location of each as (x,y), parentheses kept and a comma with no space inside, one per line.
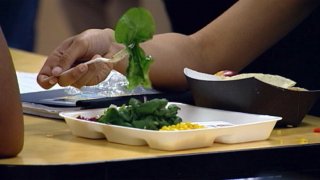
(114,85)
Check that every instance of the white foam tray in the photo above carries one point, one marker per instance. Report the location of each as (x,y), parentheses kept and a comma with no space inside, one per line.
(245,128)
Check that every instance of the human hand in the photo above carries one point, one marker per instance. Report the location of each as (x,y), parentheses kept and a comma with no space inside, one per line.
(65,65)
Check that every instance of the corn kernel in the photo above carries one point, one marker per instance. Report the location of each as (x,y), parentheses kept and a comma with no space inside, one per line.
(182,126)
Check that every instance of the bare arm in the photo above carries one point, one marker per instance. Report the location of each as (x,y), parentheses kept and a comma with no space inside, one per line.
(231,41)
(11,118)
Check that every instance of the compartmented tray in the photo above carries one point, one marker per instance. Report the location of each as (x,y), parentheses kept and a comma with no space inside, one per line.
(242,127)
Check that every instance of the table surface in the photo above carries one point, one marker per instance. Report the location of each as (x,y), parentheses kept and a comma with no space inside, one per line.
(50,142)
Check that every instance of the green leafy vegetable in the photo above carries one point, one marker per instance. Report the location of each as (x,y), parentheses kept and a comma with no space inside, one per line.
(151,114)
(134,27)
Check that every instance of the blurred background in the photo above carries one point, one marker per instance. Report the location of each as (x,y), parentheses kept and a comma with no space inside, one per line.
(52,25)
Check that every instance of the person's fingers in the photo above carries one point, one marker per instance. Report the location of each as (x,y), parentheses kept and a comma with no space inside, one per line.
(98,78)
(45,74)
(72,75)
(97,72)
(92,69)
(62,58)
(67,56)
(46,82)
(45,78)
(72,52)
(100,74)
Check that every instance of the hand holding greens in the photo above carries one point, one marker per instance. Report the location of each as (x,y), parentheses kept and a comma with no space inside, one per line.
(151,115)
(134,27)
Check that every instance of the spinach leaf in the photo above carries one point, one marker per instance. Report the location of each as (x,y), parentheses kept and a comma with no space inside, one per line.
(134,27)
(152,114)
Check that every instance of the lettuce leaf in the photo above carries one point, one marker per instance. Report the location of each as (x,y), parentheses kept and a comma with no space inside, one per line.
(151,115)
(134,27)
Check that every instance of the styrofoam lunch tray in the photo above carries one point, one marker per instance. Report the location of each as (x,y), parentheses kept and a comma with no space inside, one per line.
(244,128)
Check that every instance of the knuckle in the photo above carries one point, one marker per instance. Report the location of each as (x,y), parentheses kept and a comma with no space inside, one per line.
(63,60)
(74,75)
(80,41)
(59,57)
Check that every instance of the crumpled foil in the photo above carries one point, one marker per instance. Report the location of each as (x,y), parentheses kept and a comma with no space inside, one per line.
(114,85)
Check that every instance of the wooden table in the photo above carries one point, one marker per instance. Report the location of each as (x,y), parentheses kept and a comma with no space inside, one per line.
(50,150)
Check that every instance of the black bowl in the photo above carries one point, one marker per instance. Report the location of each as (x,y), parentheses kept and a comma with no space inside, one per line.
(251,95)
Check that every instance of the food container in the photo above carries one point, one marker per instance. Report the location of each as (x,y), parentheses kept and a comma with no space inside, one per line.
(251,95)
(225,127)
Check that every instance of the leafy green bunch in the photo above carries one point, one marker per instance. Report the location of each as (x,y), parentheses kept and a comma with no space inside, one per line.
(150,115)
(134,27)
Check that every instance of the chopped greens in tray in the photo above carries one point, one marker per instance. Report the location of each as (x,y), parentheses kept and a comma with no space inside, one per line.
(134,27)
(151,115)
(155,114)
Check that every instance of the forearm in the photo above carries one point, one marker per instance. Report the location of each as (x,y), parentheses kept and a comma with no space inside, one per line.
(247,29)
(231,41)
(11,122)
(11,118)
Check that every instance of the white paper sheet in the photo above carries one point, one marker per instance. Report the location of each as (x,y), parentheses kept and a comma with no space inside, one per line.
(28,83)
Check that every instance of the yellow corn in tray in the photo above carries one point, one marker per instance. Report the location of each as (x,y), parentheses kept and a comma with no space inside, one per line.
(182,126)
